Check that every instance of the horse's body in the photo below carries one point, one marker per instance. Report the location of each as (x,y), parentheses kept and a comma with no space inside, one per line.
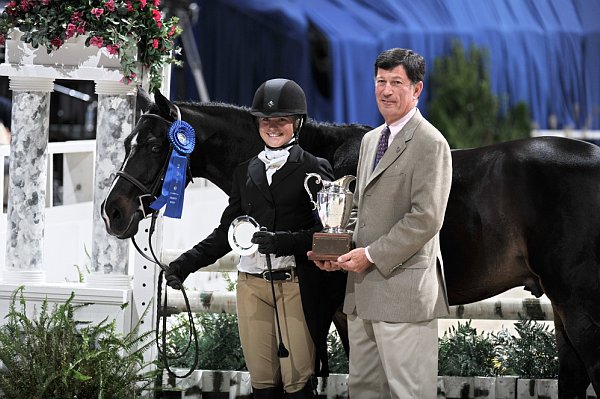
(520,213)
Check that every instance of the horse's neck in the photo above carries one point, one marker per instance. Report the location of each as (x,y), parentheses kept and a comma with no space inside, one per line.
(226,136)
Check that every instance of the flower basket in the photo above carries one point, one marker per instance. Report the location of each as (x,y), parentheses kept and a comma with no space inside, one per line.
(73,53)
(132,36)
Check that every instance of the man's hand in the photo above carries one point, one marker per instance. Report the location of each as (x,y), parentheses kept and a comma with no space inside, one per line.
(327,265)
(354,261)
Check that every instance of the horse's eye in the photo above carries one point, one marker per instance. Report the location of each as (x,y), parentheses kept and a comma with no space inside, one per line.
(156,149)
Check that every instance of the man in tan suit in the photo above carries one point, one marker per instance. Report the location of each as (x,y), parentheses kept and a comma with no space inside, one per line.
(396,289)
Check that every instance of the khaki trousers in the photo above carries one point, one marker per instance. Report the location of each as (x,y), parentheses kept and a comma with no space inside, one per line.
(258,333)
(392,360)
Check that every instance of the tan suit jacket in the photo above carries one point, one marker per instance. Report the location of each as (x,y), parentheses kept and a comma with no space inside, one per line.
(400,210)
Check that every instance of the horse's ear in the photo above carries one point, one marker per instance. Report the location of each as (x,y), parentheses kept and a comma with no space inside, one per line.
(143,100)
(166,107)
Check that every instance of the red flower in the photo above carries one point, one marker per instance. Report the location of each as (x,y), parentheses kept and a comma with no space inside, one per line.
(97,12)
(155,43)
(110,5)
(97,41)
(171,31)
(76,16)
(113,49)
(81,28)
(2,40)
(156,3)
(71,29)
(25,5)
(129,6)
(56,42)
(143,3)
(156,15)
(129,79)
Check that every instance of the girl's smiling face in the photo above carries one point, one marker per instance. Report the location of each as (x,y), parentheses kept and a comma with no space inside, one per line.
(276,131)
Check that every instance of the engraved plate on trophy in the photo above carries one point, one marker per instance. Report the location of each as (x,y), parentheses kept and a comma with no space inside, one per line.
(333,204)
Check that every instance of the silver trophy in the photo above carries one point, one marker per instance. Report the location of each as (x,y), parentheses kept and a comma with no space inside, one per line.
(334,205)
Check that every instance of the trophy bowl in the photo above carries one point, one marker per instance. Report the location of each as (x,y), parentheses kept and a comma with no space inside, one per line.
(334,206)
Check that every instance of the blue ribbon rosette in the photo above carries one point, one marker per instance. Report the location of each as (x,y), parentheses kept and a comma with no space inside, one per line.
(183,138)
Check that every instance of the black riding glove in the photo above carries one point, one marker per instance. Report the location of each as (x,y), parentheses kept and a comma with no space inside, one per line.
(279,243)
(176,273)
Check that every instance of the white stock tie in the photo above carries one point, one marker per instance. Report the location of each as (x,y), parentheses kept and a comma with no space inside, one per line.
(273,160)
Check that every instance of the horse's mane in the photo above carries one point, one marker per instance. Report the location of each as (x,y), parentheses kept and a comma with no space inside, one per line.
(338,143)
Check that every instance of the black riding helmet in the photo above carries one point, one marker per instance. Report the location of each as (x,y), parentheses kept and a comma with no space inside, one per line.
(280,97)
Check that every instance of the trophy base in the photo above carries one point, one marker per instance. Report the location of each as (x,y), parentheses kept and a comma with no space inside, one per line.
(329,246)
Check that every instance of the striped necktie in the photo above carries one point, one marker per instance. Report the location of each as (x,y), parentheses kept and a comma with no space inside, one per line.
(382,146)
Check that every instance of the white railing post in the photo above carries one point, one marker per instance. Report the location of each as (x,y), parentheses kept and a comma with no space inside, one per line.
(110,255)
(27,179)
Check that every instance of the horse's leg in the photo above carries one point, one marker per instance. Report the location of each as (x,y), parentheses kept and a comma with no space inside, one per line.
(340,320)
(572,376)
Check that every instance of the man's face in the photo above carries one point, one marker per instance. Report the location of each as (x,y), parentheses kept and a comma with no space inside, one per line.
(276,131)
(395,94)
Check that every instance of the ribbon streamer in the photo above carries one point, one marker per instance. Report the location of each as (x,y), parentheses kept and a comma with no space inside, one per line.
(183,138)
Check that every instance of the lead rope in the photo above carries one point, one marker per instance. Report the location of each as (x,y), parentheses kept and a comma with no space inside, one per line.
(161,313)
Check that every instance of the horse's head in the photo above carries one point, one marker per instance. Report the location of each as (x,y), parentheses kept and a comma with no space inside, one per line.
(139,180)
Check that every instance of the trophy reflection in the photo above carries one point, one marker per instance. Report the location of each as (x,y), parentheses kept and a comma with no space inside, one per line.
(334,205)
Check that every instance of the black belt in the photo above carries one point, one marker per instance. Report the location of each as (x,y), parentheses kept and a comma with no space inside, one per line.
(275,275)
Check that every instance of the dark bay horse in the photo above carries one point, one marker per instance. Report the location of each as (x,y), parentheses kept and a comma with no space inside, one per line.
(521,213)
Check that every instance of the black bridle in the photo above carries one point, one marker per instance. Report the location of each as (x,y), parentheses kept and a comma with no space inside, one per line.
(148,195)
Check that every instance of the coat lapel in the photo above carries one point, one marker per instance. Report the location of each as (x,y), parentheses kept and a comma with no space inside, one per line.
(292,163)
(396,147)
(256,171)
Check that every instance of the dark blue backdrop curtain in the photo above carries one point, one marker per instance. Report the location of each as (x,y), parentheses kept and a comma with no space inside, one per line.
(543,52)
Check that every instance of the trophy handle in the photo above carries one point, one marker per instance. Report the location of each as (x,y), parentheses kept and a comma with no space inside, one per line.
(306,179)
(344,182)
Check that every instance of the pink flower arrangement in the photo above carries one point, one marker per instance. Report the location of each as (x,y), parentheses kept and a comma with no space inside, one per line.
(134,30)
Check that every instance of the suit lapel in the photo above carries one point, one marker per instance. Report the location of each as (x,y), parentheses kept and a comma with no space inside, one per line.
(396,147)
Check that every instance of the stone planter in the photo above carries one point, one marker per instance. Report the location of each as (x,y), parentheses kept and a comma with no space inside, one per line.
(72,53)
(540,388)
(506,387)
(236,384)
(484,387)
(451,387)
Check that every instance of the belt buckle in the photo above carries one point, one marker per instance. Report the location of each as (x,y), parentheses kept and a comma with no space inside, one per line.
(268,276)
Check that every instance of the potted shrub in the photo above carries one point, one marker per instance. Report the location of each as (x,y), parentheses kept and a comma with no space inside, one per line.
(532,355)
(53,355)
(132,30)
(466,362)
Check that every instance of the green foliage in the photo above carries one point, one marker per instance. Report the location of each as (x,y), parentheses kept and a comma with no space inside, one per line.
(55,356)
(463,106)
(219,342)
(463,352)
(338,360)
(531,354)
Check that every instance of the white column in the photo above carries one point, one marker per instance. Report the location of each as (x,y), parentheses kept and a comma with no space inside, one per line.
(27,179)
(116,108)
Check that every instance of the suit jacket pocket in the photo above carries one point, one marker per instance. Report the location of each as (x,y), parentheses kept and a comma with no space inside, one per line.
(418,261)
(394,170)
